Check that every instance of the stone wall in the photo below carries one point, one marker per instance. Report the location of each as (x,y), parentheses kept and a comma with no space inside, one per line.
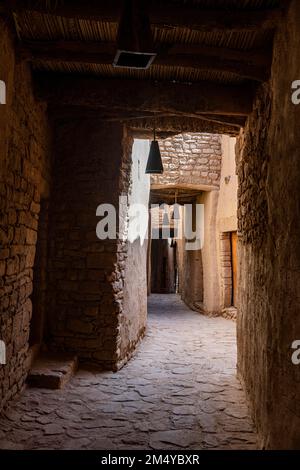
(93,310)
(134,308)
(206,275)
(225,261)
(227,204)
(25,177)
(38,328)
(226,224)
(211,279)
(85,274)
(269,251)
(190,160)
(193,161)
(205,162)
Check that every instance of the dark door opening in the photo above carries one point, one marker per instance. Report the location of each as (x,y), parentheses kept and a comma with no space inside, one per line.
(163,267)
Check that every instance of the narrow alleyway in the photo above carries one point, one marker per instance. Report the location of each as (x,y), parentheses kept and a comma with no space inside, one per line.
(179,391)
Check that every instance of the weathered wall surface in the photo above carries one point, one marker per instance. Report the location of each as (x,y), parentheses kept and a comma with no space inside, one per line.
(134,317)
(190,160)
(194,161)
(226,223)
(97,288)
(24,179)
(204,272)
(227,204)
(85,274)
(269,252)
(211,282)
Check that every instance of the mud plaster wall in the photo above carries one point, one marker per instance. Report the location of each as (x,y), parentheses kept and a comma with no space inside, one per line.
(269,250)
(134,317)
(227,203)
(211,284)
(24,180)
(202,271)
(226,223)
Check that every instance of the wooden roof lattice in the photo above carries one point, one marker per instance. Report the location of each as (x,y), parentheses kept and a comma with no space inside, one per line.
(208,52)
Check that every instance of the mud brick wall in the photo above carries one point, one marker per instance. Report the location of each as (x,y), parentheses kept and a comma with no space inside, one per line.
(226,269)
(86,275)
(24,179)
(191,159)
(84,282)
(269,250)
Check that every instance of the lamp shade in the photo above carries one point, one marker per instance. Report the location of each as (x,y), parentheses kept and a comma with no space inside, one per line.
(154,163)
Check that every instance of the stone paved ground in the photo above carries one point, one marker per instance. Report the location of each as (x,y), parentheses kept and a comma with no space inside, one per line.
(179,392)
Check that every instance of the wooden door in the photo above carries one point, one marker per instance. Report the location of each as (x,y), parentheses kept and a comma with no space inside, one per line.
(234,267)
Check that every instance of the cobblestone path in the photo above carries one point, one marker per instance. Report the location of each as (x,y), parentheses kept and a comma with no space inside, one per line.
(180,391)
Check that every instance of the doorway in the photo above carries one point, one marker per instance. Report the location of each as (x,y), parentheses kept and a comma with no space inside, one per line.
(163,266)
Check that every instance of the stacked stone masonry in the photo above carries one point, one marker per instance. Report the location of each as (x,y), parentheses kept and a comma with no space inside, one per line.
(226,269)
(78,279)
(24,180)
(85,278)
(269,255)
(190,159)
(86,275)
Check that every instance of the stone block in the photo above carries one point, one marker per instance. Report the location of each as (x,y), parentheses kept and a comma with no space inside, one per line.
(100,260)
(31,237)
(52,371)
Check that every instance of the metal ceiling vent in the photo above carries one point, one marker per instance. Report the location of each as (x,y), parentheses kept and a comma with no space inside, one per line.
(134,41)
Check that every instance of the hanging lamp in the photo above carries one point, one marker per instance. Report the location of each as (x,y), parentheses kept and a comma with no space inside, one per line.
(154,163)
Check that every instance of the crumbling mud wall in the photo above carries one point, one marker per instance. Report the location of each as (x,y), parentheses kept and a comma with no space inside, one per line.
(269,250)
(25,164)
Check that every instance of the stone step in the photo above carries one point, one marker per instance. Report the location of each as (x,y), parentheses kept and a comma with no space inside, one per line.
(52,371)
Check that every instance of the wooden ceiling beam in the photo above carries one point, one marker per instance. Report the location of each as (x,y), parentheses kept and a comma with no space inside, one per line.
(181,125)
(219,64)
(133,117)
(141,125)
(214,20)
(58,112)
(260,57)
(242,64)
(146,134)
(162,14)
(144,95)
